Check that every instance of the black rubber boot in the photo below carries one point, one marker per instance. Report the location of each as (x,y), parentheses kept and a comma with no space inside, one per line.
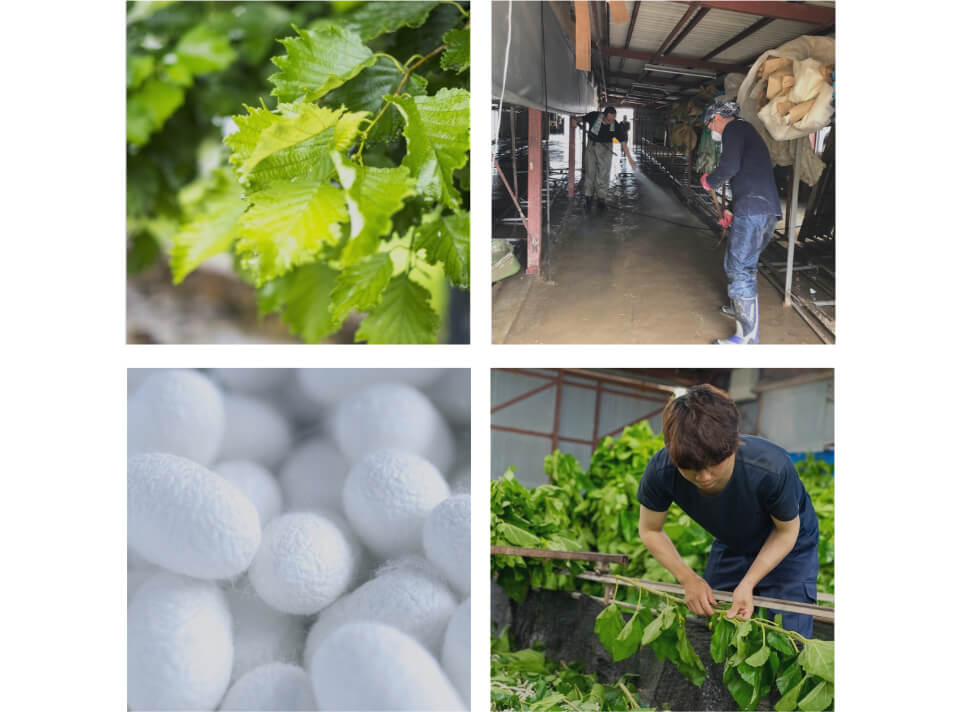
(588,204)
(601,206)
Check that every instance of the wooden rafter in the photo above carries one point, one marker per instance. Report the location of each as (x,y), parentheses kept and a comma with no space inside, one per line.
(763,22)
(686,30)
(798,11)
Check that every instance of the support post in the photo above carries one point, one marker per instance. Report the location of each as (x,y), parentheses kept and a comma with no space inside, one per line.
(572,158)
(791,224)
(534,188)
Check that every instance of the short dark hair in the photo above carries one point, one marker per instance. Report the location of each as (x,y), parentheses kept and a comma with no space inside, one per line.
(609,110)
(701,428)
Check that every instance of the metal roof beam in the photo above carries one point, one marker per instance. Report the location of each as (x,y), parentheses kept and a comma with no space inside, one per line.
(675,60)
(742,36)
(701,13)
(800,12)
(633,22)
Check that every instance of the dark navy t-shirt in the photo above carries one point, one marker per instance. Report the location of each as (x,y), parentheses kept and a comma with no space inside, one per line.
(764,484)
(745,162)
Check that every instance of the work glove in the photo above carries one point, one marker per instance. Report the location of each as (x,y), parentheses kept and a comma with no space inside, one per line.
(703,182)
(726,219)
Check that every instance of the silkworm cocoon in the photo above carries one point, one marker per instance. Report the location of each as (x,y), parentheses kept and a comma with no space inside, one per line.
(136,577)
(455,657)
(179,412)
(256,482)
(303,564)
(261,634)
(371,666)
(312,476)
(179,645)
(460,482)
(185,518)
(276,686)
(392,415)
(451,394)
(331,385)
(387,497)
(446,540)
(136,377)
(408,594)
(255,430)
(254,381)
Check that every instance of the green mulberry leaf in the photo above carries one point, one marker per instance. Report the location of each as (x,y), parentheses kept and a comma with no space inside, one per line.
(359,286)
(287,225)
(457,54)
(759,658)
(816,658)
(318,61)
(212,231)
(150,107)
(366,92)
(404,316)
(818,699)
(378,18)
(608,625)
(438,139)
(447,239)
(373,195)
(788,703)
(139,67)
(203,49)
(303,295)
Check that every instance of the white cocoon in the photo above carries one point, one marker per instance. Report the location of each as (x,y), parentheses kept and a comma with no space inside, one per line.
(446,540)
(387,497)
(261,634)
(408,594)
(179,645)
(254,381)
(460,482)
(255,430)
(256,482)
(370,666)
(303,564)
(331,385)
(392,415)
(185,518)
(180,412)
(312,476)
(455,657)
(276,686)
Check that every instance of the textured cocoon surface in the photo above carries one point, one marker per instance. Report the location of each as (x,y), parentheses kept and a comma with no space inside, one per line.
(185,518)
(179,645)
(255,430)
(451,394)
(179,412)
(255,381)
(261,634)
(329,386)
(303,565)
(455,657)
(392,415)
(408,594)
(387,497)
(256,482)
(446,540)
(276,686)
(460,482)
(312,476)
(370,666)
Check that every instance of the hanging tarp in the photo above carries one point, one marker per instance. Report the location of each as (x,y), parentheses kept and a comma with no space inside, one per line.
(533,26)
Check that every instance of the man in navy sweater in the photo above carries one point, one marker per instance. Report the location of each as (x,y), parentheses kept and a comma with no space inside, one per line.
(745,491)
(745,162)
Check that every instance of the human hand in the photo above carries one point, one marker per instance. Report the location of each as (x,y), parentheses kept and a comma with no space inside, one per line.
(726,219)
(699,597)
(742,605)
(703,182)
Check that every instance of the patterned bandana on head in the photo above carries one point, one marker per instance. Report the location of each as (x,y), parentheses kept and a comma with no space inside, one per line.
(725,109)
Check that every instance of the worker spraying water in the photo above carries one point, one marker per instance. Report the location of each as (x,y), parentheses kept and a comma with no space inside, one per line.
(602,128)
(745,162)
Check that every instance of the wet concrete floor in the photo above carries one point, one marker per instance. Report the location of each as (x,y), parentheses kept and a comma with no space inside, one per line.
(628,276)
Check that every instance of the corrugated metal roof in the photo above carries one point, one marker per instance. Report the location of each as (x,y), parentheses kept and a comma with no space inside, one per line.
(654,22)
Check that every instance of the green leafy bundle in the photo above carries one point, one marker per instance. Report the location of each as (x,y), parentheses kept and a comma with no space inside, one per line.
(817,478)
(525,679)
(350,194)
(756,653)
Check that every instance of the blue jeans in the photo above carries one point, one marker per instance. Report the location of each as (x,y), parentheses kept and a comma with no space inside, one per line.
(749,234)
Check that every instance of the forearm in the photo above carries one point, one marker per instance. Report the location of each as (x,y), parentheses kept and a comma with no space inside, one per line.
(774,550)
(663,550)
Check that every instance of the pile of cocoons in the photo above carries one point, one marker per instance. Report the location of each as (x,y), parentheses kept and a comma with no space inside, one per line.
(298,539)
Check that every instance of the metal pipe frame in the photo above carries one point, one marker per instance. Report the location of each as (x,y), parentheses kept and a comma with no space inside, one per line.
(534,186)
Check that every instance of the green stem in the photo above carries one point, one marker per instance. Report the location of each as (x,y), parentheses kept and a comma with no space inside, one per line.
(391,58)
(456,5)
